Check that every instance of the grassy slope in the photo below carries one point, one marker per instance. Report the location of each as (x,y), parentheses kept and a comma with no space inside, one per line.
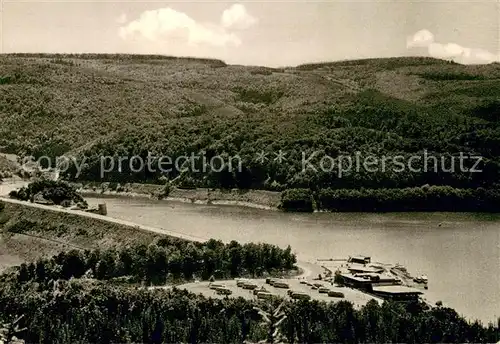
(132,104)
(52,232)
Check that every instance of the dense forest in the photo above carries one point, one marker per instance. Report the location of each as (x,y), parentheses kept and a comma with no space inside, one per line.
(166,260)
(88,311)
(100,296)
(425,198)
(91,106)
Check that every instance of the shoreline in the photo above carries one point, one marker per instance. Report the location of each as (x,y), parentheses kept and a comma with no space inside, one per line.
(256,199)
(303,268)
(252,199)
(307,268)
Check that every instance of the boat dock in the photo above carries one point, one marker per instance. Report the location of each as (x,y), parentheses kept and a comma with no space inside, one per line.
(389,281)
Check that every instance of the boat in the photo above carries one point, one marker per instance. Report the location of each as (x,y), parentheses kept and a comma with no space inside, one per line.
(359,259)
(421,279)
(400,268)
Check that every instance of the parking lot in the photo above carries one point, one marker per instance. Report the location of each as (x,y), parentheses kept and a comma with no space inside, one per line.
(356,297)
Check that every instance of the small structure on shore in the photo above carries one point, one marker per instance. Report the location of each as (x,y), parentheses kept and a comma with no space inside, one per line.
(368,281)
(359,259)
(101,209)
(383,280)
(356,268)
(397,293)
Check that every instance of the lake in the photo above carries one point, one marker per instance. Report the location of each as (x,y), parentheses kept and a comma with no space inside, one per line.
(460,253)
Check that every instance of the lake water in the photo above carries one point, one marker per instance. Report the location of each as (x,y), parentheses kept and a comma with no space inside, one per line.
(460,253)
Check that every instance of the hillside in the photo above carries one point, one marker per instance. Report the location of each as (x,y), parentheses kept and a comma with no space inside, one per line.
(128,105)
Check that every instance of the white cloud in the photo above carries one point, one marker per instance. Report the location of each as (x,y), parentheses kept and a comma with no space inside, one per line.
(420,39)
(166,24)
(425,39)
(446,51)
(122,19)
(237,17)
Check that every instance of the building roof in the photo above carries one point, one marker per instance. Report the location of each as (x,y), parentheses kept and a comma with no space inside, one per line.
(360,267)
(360,256)
(354,278)
(382,277)
(359,278)
(396,289)
(368,274)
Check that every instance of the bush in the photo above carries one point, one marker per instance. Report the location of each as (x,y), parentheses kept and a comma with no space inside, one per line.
(297,200)
(22,226)
(3,217)
(165,191)
(54,191)
(15,195)
(112,186)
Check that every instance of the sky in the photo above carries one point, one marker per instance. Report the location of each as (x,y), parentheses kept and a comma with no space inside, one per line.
(268,33)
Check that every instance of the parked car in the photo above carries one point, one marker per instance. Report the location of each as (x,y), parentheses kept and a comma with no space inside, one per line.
(223,291)
(279,284)
(216,285)
(333,293)
(273,280)
(264,295)
(240,282)
(249,285)
(258,290)
(300,296)
(323,290)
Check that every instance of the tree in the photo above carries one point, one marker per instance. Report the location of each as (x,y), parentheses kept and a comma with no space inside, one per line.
(9,331)
(273,320)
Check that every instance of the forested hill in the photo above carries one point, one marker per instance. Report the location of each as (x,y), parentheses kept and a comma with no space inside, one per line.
(130,105)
